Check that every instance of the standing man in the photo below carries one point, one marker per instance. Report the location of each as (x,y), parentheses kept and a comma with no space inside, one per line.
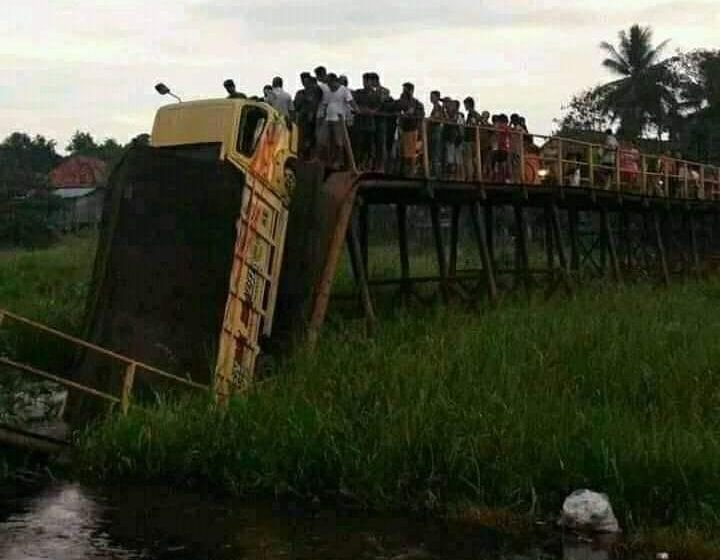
(363,133)
(336,101)
(435,133)
(470,147)
(321,124)
(381,102)
(307,101)
(281,100)
(412,112)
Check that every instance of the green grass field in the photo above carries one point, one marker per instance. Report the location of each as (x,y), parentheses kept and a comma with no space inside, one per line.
(511,408)
(48,285)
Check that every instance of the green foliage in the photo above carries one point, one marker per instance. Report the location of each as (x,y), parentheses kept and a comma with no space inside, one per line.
(585,111)
(642,95)
(25,222)
(83,144)
(25,163)
(49,286)
(513,407)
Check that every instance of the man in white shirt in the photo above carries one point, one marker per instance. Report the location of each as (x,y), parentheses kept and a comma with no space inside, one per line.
(321,125)
(281,100)
(336,101)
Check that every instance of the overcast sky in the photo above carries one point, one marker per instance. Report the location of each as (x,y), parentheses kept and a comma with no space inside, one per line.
(73,64)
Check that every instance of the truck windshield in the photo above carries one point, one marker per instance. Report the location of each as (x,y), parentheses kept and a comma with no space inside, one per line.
(252,124)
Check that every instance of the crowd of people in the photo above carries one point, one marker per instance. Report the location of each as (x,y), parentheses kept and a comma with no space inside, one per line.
(385,132)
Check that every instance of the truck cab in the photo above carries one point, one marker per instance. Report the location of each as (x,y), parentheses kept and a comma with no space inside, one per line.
(235,128)
(192,242)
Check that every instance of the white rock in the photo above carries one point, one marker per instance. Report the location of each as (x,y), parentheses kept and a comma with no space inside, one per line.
(590,511)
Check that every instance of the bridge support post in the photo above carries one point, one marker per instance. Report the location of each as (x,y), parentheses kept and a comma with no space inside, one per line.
(660,244)
(694,254)
(128,381)
(405,288)
(522,259)
(361,279)
(454,239)
(573,219)
(364,232)
(490,232)
(557,233)
(609,238)
(440,251)
(485,256)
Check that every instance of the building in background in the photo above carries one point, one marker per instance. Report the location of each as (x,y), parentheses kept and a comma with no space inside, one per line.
(79,183)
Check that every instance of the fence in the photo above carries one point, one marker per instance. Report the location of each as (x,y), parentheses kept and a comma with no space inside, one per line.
(429,148)
(130,367)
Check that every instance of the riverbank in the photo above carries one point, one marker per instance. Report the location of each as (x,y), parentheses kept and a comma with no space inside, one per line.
(511,409)
(50,286)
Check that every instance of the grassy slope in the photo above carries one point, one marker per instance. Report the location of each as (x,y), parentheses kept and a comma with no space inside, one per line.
(514,407)
(48,285)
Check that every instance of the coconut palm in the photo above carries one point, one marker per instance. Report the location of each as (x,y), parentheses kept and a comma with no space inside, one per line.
(643,93)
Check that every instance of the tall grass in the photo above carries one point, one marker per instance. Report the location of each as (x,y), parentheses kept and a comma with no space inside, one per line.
(513,407)
(48,285)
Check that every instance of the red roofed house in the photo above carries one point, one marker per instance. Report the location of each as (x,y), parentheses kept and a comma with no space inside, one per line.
(79,172)
(79,182)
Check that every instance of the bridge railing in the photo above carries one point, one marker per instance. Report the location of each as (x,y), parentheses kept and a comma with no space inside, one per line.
(442,149)
(130,367)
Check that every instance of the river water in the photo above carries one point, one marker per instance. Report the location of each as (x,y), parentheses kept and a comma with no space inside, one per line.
(68,521)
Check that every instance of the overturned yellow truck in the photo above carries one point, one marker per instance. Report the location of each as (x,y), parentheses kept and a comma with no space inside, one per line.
(194,238)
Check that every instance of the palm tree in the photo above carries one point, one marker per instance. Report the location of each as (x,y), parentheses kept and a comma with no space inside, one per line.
(643,93)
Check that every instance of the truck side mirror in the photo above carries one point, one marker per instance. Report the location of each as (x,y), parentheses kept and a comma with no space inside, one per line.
(162,89)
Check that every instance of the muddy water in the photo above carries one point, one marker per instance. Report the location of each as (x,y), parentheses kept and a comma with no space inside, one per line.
(69,522)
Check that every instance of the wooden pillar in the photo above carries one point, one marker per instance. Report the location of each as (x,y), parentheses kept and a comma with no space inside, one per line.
(626,240)
(127,386)
(490,232)
(401,211)
(549,250)
(361,279)
(364,235)
(661,248)
(440,251)
(522,258)
(557,233)
(610,244)
(454,239)
(573,222)
(694,253)
(426,149)
(485,257)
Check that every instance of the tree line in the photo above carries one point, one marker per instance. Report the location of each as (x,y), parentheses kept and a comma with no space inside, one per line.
(672,98)
(25,160)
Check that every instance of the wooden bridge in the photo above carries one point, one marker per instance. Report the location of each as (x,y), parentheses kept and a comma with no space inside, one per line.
(620,218)
(604,213)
